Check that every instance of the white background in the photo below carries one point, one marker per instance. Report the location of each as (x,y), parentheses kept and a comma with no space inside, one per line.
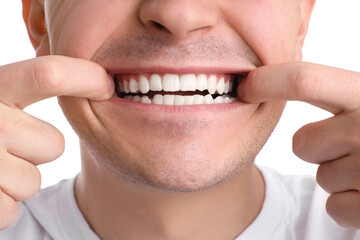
(333,39)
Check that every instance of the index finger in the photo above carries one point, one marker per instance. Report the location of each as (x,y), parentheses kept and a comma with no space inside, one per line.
(27,82)
(332,89)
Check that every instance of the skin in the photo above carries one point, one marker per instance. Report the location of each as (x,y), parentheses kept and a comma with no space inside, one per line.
(138,156)
(130,178)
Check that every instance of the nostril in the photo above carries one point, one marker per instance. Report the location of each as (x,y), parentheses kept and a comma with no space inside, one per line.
(158,26)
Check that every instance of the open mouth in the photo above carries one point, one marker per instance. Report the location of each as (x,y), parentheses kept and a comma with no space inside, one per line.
(176,90)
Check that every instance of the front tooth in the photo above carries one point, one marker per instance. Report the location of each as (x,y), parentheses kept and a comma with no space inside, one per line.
(208,99)
(136,98)
(188,82)
(171,82)
(188,100)
(155,83)
(212,84)
(126,87)
(157,99)
(134,86)
(198,99)
(221,86)
(179,100)
(145,99)
(169,100)
(227,87)
(144,84)
(201,82)
(219,99)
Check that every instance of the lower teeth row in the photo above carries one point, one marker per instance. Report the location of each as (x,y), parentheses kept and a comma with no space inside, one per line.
(178,100)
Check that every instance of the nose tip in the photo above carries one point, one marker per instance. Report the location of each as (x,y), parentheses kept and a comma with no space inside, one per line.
(177,18)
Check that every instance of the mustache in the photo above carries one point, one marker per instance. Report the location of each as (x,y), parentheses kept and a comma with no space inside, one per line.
(146,47)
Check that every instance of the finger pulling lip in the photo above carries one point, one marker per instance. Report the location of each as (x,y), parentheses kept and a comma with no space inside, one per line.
(229,75)
(119,107)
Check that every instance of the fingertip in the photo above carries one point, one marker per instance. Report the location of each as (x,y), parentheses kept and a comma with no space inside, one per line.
(108,90)
(111,85)
(251,89)
(243,91)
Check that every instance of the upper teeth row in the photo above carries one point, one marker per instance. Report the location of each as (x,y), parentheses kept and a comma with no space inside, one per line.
(174,83)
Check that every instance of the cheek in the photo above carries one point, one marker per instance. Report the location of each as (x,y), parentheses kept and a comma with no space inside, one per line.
(269,27)
(86,24)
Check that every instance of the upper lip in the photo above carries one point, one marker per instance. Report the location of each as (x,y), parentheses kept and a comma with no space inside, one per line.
(187,70)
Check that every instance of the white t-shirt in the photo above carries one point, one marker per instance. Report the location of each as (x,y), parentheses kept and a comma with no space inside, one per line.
(294,208)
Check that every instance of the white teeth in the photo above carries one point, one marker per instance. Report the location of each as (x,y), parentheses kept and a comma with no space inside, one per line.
(201,82)
(208,99)
(212,86)
(227,100)
(227,87)
(145,99)
(128,97)
(144,86)
(134,86)
(221,86)
(188,100)
(169,100)
(155,83)
(126,87)
(198,99)
(158,99)
(224,99)
(188,82)
(171,82)
(136,98)
(179,100)
(174,82)
(219,99)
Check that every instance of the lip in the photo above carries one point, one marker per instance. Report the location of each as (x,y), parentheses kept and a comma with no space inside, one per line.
(117,105)
(180,70)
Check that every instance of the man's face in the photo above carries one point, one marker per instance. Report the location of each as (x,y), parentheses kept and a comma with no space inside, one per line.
(174,148)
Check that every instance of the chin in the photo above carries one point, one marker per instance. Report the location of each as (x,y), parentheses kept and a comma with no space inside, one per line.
(169,148)
(186,164)
(179,171)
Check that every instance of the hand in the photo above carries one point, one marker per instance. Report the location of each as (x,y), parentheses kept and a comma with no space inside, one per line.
(333,143)
(26,141)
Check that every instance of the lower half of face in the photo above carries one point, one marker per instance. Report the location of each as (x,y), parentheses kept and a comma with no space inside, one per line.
(146,135)
(173,149)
